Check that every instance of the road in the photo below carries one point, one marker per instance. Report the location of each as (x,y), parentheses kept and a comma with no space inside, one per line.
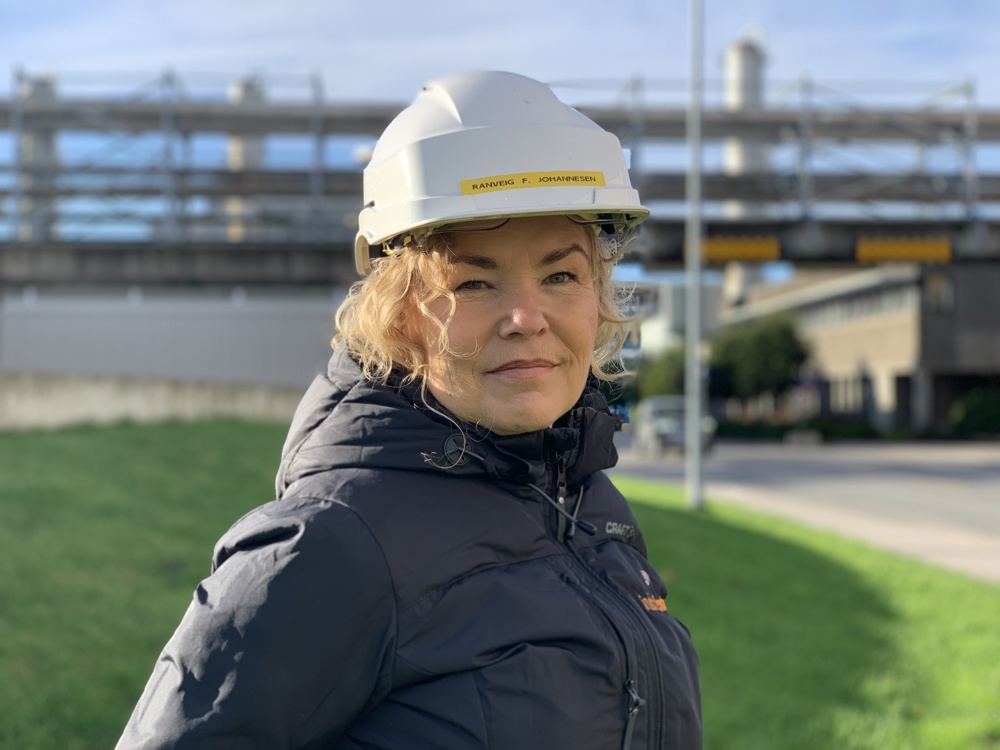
(938,502)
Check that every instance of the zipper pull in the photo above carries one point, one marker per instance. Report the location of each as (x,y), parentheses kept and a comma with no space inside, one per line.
(634,704)
(561,498)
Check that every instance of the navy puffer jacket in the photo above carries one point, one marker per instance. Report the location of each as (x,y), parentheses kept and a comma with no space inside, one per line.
(412,588)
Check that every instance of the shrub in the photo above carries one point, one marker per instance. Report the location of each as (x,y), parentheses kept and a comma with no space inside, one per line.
(976,413)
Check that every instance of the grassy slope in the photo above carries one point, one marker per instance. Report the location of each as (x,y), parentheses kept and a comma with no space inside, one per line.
(811,641)
(105,533)
(806,641)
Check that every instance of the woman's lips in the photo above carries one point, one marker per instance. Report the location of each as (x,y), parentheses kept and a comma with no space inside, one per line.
(523,368)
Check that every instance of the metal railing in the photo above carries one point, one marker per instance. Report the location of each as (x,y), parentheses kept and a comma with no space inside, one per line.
(96,161)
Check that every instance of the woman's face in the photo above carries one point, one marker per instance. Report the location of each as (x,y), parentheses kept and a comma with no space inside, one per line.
(523,333)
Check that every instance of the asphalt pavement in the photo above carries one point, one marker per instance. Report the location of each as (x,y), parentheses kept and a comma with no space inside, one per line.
(937,502)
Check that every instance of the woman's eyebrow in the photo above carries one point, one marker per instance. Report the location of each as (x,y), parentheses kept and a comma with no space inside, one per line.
(480,261)
(557,255)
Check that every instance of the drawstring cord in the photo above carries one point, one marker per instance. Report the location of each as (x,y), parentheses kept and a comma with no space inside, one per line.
(573,520)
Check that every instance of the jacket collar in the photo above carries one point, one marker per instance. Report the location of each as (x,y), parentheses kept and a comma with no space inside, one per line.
(345,421)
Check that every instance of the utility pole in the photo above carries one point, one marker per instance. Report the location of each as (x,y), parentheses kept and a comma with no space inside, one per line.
(692,264)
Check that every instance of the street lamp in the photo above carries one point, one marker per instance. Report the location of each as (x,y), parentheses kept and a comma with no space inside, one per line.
(692,264)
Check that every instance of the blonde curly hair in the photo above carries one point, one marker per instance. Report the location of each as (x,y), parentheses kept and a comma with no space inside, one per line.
(371,323)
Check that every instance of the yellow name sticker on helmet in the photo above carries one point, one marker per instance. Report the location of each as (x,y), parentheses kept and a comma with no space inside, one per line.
(531,180)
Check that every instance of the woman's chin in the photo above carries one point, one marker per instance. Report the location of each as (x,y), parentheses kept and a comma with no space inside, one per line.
(520,414)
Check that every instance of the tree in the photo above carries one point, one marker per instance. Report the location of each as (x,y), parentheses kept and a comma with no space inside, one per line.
(761,356)
(662,373)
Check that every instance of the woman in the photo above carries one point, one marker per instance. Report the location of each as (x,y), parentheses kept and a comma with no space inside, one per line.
(447,565)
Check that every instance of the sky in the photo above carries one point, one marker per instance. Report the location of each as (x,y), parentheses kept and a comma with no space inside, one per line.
(900,52)
(386,49)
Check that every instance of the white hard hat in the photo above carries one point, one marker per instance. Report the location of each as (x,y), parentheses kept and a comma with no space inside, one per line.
(489,145)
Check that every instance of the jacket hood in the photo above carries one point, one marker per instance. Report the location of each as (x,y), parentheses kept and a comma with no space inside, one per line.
(346,421)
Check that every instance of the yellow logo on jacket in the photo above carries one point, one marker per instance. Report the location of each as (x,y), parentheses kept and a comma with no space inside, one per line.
(654,603)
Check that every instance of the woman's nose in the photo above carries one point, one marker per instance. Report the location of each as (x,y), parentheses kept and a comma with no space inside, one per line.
(524,315)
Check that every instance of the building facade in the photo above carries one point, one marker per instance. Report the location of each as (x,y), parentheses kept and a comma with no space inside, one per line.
(894,344)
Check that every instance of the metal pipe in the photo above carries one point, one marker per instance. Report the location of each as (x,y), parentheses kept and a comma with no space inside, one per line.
(805,150)
(169,130)
(969,136)
(316,218)
(17,126)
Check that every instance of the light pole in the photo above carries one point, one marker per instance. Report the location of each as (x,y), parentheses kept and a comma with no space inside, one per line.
(692,264)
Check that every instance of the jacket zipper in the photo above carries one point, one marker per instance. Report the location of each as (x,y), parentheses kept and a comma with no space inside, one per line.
(613,601)
(561,499)
(635,703)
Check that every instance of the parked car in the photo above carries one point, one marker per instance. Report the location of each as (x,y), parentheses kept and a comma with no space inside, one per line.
(658,425)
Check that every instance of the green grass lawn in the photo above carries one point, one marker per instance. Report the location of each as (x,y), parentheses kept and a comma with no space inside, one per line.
(105,532)
(806,641)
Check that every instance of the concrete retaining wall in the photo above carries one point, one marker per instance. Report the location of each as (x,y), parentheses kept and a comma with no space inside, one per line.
(257,337)
(31,401)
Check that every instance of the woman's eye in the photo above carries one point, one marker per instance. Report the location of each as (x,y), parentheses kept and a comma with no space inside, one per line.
(471,285)
(561,278)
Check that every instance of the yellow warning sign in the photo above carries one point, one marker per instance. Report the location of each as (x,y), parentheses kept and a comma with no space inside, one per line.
(903,249)
(531,180)
(749,249)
